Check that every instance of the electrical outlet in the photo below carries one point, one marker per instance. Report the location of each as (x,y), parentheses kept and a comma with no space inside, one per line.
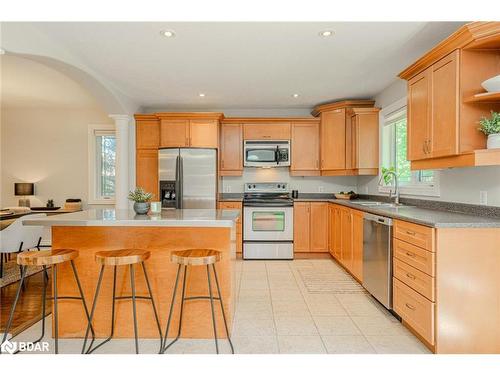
(321,189)
(483,197)
(227,189)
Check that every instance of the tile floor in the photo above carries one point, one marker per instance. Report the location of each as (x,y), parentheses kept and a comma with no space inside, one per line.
(276,314)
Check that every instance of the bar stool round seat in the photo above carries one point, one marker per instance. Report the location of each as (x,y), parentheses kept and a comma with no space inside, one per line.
(46,257)
(195,257)
(121,257)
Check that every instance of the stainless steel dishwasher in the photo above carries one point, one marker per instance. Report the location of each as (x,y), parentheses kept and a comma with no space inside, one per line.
(377,257)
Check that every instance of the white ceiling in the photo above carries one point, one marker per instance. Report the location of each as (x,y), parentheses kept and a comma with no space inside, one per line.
(247,65)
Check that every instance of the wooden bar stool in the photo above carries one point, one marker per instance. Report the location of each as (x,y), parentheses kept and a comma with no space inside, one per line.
(116,258)
(48,258)
(196,257)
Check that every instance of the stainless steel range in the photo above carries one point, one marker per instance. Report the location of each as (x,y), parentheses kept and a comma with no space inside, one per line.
(267,221)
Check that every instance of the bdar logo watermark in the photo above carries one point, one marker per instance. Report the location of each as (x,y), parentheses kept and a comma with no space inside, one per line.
(11,347)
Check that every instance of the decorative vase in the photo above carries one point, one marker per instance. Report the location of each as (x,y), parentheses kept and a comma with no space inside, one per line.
(493,141)
(141,208)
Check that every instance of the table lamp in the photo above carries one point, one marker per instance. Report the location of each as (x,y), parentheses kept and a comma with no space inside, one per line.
(24,189)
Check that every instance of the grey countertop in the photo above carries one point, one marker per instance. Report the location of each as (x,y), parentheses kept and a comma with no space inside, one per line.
(230,197)
(117,217)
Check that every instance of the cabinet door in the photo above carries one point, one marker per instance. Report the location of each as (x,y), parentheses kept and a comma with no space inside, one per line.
(147,171)
(305,149)
(174,133)
(319,227)
(147,134)
(445,94)
(203,133)
(333,140)
(331,229)
(301,224)
(275,131)
(239,231)
(365,141)
(231,150)
(419,110)
(337,235)
(357,244)
(346,241)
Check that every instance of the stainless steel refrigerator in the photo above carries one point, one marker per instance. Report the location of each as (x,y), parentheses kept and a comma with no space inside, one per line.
(188,177)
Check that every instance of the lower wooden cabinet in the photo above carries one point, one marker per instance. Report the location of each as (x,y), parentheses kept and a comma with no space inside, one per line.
(357,244)
(346,238)
(230,205)
(310,223)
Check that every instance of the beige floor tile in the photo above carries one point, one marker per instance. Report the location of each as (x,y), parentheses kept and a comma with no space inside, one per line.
(253,280)
(256,345)
(199,346)
(347,345)
(397,345)
(288,295)
(295,326)
(326,309)
(379,326)
(254,295)
(278,266)
(285,307)
(254,266)
(310,344)
(335,325)
(361,305)
(254,327)
(254,310)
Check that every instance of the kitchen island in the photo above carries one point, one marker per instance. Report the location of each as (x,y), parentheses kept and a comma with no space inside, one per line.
(95,230)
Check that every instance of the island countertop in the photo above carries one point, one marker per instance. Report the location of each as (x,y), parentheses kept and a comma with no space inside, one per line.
(127,217)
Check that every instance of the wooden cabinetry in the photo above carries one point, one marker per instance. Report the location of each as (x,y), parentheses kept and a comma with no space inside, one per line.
(357,244)
(201,133)
(310,223)
(442,112)
(305,149)
(349,138)
(346,238)
(233,205)
(147,171)
(231,149)
(147,132)
(265,129)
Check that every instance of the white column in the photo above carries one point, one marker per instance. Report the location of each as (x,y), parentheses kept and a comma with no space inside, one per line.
(122,162)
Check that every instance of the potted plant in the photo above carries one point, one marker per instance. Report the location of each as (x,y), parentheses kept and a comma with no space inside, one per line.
(141,200)
(491,127)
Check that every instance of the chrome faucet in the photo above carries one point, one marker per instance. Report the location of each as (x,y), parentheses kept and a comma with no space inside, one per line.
(396,185)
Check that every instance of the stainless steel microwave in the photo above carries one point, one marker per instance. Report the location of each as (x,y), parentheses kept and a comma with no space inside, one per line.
(266,153)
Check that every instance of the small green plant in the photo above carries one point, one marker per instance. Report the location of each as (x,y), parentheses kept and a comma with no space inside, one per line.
(385,174)
(139,195)
(490,125)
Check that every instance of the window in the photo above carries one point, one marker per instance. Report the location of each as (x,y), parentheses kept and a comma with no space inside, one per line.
(394,151)
(102,162)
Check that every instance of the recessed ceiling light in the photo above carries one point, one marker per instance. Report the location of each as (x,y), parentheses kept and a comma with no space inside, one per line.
(295,96)
(168,33)
(201,95)
(326,33)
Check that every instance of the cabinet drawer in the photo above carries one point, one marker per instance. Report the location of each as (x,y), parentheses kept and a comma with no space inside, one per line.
(415,279)
(421,259)
(276,131)
(415,234)
(415,310)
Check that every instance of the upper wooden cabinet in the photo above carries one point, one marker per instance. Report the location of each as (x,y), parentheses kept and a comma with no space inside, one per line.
(176,131)
(147,171)
(348,138)
(231,149)
(147,132)
(271,130)
(443,106)
(305,149)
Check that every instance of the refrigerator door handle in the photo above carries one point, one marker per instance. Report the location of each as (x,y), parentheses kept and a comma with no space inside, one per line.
(180,194)
(177,182)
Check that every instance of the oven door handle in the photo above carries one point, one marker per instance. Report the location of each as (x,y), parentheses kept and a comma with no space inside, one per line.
(268,205)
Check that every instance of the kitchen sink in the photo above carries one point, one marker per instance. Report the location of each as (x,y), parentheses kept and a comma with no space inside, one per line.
(379,204)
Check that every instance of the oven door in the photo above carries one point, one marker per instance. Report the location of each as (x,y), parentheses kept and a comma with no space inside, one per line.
(268,223)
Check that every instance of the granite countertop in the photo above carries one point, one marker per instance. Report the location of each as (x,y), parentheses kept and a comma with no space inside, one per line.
(125,217)
(437,218)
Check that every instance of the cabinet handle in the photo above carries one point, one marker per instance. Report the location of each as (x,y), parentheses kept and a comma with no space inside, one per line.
(317,163)
(410,306)
(411,255)
(423,148)
(187,141)
(410,232)
(222,163)
(410,276)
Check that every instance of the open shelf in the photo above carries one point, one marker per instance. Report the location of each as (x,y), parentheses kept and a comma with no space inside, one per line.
(487,97)
(477,158)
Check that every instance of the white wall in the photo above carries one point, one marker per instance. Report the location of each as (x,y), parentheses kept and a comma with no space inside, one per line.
(302,184)
(456,185)
(44,124)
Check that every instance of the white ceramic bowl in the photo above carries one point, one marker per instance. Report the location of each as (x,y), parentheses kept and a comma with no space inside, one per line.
(492,84)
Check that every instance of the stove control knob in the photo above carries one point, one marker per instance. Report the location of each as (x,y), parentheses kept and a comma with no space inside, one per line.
(254,186)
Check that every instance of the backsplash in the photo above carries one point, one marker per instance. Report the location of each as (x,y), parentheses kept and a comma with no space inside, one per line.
(302,184)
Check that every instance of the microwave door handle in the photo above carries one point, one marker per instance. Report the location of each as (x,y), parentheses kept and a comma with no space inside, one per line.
(277,155)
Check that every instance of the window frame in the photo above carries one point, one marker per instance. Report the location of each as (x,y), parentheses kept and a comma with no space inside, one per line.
(415,188)
(92,164)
